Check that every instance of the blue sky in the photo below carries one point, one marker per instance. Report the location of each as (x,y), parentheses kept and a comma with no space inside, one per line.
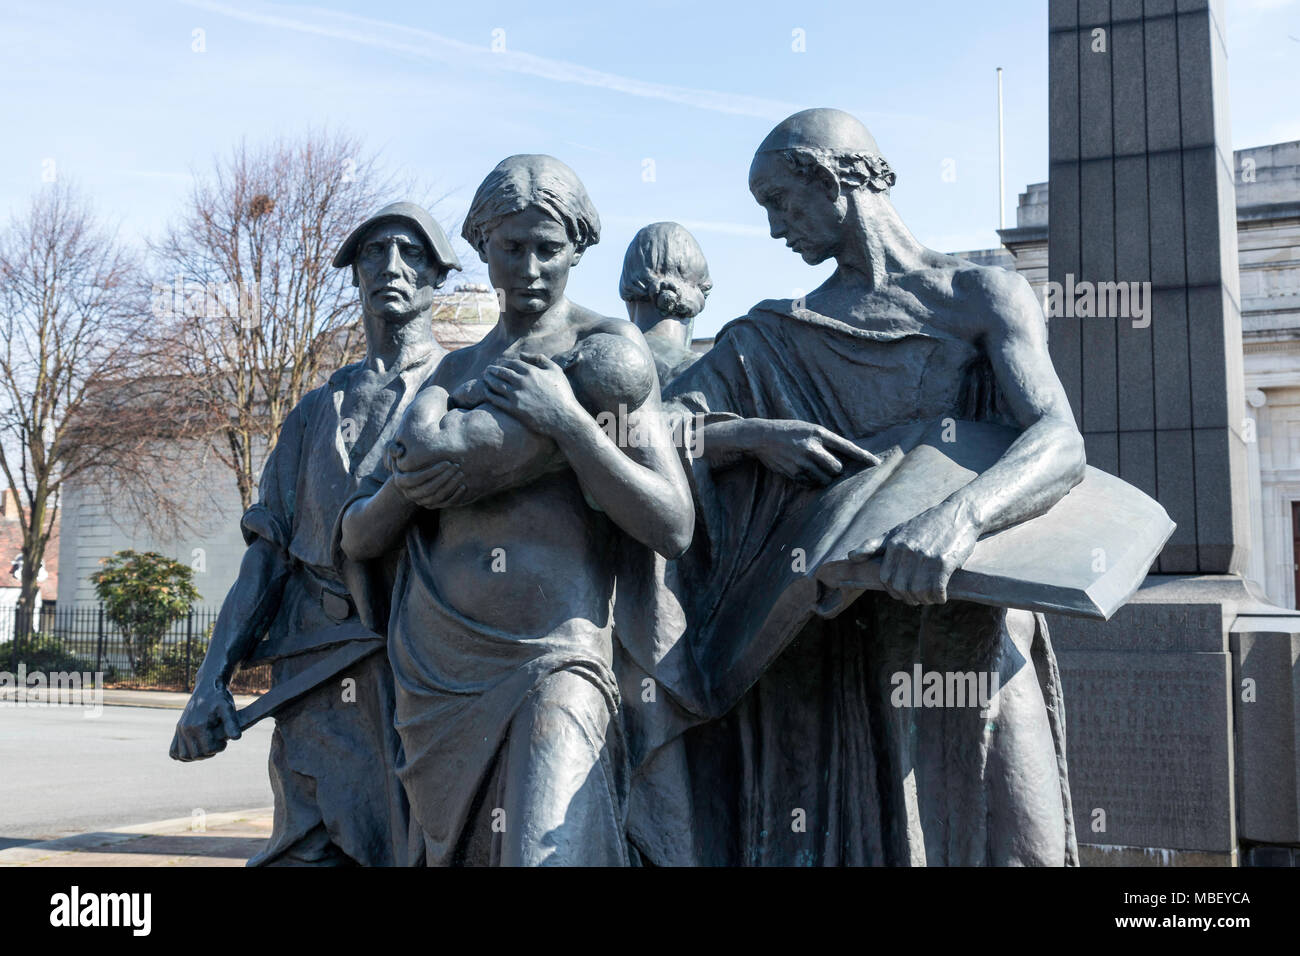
(116,96)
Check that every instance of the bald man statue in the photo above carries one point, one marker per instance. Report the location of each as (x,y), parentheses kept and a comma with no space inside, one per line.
(817,761)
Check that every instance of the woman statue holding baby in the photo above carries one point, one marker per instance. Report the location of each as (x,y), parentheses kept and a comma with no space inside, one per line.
(514,504)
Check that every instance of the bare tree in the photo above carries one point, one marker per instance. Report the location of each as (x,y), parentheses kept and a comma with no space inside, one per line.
(72,314)
(254,314)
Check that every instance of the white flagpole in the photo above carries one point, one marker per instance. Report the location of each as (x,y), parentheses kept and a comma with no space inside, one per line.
(1002,171)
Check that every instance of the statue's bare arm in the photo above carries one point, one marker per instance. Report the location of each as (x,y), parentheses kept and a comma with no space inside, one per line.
(1039,468)
(1047,460)
(493,451)
(209,718)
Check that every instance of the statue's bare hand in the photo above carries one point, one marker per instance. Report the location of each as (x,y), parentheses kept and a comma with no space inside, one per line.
(805,452)
(922,554)
(534,390)
(440,485)
(207,723)
(470,394)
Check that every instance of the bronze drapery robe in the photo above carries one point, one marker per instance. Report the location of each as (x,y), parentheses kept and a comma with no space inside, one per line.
(332,761)
(762,726)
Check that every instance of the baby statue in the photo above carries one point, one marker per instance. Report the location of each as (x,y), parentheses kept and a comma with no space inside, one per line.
(610,374)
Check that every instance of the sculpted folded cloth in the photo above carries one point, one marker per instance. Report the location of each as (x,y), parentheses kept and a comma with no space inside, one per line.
(816,730)
(610,375)
(333,760)
(487,715)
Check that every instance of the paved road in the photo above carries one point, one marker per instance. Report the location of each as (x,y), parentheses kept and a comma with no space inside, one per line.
(61,773)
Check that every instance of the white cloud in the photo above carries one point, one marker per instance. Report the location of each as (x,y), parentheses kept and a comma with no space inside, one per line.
(423,44)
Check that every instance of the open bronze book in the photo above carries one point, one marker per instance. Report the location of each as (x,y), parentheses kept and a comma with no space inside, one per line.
(1085,556)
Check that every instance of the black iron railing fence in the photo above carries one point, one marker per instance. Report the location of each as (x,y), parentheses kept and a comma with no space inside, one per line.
(80,637)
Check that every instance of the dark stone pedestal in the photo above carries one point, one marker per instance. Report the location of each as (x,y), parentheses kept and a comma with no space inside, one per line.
(1182,724)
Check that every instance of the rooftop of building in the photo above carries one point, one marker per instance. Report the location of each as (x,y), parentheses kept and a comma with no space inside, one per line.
(1267,180)
(464,315)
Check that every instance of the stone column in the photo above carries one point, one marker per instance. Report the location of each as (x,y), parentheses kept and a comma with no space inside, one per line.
(1142,192)
(1171,759)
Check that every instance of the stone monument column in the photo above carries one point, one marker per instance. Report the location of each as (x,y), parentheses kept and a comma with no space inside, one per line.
(1175,755)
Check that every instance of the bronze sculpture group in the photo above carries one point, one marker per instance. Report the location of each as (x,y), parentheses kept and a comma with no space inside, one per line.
(568,643)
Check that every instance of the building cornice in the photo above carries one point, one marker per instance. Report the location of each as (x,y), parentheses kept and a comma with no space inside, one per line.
(1022,234)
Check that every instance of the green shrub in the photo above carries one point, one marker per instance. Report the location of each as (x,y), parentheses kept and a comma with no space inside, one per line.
(46,653)
(169,665)
(144,594)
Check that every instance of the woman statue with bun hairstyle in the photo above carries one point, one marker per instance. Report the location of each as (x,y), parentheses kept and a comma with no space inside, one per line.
(664,283)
